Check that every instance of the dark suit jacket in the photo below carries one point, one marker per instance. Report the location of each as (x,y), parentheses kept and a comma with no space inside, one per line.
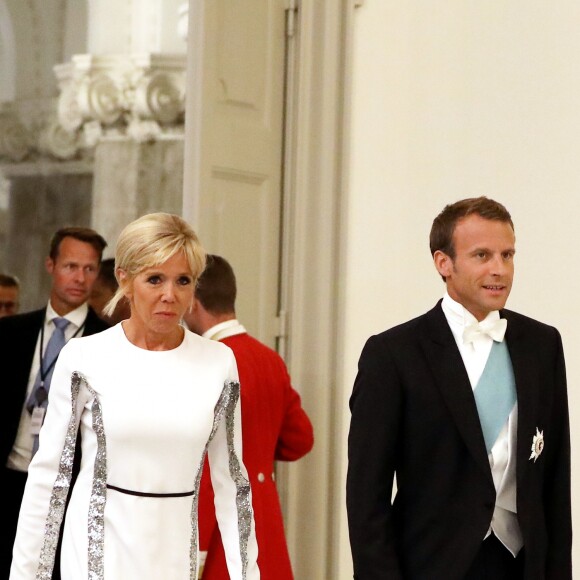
(18,336)
(414,415)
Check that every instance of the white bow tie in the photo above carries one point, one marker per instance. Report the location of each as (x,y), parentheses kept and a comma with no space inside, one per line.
(492,328)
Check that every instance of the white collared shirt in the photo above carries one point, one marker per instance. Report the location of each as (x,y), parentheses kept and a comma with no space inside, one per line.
(502,458)
(224,329)
(21,453)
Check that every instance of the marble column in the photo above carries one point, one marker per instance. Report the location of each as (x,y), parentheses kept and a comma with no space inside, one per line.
(129,109)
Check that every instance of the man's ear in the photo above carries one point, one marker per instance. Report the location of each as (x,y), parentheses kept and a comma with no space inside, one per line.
(49,265)
(194,304)
(443,263)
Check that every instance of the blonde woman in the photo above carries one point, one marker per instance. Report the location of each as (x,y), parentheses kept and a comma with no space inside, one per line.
(150,399)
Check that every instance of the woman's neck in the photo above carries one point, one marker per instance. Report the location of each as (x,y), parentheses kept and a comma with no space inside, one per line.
(151,340)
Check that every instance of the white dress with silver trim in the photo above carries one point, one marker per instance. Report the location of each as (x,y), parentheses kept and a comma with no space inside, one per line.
(147,419)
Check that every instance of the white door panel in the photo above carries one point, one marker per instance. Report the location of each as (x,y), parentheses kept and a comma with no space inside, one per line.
(241,150)
(245,233)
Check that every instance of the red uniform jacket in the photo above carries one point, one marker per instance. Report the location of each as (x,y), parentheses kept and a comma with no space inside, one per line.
(274,427)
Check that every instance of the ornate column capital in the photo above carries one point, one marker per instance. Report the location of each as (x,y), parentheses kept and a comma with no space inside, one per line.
(138,95)
(28,138)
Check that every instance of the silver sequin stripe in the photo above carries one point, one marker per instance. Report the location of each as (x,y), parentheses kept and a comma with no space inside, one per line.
(243,499)
(226,405)
(98,499)
(61,486)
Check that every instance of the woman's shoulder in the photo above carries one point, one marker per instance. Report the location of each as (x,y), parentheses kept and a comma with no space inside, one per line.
(109,336)
(207,345)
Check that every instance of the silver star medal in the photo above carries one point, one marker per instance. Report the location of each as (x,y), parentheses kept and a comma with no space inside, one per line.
(537,445)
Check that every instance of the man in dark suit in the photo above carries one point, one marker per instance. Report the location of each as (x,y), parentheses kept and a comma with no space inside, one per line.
(73,264)
(479,444)
(9,295)
(275,426)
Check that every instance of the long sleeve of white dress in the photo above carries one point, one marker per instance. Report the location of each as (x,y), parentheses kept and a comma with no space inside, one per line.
(146,420)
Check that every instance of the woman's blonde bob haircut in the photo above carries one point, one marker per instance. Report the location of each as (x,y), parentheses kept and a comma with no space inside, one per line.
(150,241)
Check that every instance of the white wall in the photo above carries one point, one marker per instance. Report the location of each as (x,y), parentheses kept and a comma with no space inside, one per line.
(455,99)
(7,55)
(126,26)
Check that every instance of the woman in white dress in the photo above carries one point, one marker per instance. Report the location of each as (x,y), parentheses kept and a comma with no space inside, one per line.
(149,399)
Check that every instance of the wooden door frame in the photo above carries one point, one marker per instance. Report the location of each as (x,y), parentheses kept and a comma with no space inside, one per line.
(314,217)
(316,180)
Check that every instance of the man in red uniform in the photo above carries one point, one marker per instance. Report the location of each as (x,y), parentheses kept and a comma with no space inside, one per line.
(275,427)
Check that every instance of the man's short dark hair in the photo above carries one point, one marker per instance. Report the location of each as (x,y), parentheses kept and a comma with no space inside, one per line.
(9,281)
(443,228)
(107,274)
(80,233)
(216,287)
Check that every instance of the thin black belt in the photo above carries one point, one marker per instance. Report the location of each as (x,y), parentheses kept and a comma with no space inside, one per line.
(145,494)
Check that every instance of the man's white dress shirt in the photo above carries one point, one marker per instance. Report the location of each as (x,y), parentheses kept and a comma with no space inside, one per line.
(21,453)
(502,458)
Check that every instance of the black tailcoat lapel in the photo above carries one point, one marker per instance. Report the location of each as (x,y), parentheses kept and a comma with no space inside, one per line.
(452,380)
(521,349)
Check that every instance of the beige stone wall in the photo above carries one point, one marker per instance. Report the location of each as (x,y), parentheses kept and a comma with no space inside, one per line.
(449,101)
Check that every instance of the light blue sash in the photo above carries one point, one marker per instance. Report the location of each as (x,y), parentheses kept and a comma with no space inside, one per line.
(495,393)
